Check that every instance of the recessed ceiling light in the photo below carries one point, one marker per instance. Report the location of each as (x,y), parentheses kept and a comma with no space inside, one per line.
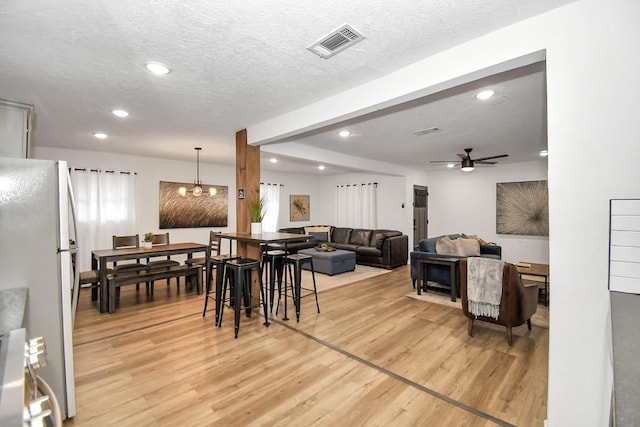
(157,68)
(544,153)
(451,165)
(485,94)
(100,135)
(321,167)
(120,113)
(344,133)
(273,160)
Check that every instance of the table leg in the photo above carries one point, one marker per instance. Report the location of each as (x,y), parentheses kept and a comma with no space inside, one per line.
(546,291)
(421,275)
(287,268)
(298,286)
(104,288)
(453,284)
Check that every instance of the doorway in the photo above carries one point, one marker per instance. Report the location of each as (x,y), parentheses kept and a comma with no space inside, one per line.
(420,213)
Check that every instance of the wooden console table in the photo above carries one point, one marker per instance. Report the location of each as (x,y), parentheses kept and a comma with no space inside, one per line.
(539,270)
(452,263)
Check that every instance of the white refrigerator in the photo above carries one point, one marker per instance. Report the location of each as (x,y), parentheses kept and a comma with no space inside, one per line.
(36,225)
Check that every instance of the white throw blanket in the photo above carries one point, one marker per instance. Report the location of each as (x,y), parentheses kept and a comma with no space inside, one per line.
(484,286)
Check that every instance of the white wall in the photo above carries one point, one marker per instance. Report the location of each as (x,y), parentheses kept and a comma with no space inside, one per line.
(390,192)
(461,202)
(297,184)
(150,171)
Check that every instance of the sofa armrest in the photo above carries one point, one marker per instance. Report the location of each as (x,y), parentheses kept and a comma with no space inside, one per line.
(396,248)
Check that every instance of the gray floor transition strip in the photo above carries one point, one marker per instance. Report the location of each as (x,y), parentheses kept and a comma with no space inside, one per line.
(396,376)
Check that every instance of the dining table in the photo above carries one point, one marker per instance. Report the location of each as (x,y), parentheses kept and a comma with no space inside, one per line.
(250,245)
(100,258)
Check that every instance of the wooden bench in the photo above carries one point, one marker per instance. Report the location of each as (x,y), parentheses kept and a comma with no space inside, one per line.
(114,281)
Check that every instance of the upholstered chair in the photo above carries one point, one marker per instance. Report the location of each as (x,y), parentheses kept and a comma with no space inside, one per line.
(518,302)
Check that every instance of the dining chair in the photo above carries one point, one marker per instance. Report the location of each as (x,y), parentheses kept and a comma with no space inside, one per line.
(160,240)
(124,242)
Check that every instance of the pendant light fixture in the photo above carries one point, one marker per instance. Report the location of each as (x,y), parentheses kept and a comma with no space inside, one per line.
(197,185)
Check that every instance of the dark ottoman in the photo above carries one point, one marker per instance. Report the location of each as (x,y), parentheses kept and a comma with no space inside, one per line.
(330,263)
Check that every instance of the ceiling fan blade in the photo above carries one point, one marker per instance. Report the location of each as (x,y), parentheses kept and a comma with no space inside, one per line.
(463,156)
(444,161)
(483,162)
(491,157)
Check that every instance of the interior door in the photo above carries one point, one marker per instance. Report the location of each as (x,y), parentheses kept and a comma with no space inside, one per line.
(420,213)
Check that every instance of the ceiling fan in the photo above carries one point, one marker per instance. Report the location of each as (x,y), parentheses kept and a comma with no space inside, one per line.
(467,163)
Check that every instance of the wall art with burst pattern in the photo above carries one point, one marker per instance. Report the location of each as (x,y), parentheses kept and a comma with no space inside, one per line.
(522,208)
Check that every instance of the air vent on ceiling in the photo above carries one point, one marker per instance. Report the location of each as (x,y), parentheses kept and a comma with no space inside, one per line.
(426,131)
(336,41)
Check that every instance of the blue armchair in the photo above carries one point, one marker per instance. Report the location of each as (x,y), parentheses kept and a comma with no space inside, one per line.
(441,274)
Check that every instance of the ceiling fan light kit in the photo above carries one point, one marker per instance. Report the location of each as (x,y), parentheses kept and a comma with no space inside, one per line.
(467,164)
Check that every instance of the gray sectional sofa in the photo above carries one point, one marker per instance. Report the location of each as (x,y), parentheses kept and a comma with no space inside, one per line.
(377,248)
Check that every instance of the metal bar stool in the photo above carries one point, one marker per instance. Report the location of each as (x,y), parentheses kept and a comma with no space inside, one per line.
(219,263)
(273,267)
(298,260)
(240,271)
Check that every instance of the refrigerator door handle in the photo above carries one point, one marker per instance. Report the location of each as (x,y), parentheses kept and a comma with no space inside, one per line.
(74,250)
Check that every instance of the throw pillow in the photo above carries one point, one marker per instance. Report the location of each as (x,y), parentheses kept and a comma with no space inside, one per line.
(446,246)
(467,247)
(319,237)
(428,245)
(319,229)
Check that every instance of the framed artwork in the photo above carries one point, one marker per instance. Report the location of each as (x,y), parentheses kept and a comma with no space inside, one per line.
(299,207)
(189,211)
(522,208)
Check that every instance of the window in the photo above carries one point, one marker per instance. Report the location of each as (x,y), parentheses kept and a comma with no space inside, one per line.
(356,205)
(105,206)
(271,195)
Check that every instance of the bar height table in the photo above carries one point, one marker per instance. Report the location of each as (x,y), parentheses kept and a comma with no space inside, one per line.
(252,249)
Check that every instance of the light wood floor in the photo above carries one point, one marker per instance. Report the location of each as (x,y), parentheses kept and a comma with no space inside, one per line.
(372,357)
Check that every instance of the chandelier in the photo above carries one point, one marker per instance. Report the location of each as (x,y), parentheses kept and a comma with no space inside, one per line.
(197,185)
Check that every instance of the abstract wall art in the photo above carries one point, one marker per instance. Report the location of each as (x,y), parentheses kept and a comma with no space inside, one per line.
(189,211)
(522,208)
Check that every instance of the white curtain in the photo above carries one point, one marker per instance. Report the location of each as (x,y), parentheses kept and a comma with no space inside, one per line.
(105,206)
(271,194)
(356,206)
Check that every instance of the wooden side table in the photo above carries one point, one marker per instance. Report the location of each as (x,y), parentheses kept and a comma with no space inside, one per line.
(539,270)
(452,263)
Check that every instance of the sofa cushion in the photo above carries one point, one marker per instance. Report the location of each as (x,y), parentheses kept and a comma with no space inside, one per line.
(319,229)
(341,235)
(377,239)
(319,236)
(467,247)
(428,245)
(369,251)
(360,237)
(446,246)
(344,246)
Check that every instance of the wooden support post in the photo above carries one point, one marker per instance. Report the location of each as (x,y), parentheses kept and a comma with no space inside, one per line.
(247,183)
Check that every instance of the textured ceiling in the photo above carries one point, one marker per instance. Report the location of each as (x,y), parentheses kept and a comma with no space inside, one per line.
(233,65)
